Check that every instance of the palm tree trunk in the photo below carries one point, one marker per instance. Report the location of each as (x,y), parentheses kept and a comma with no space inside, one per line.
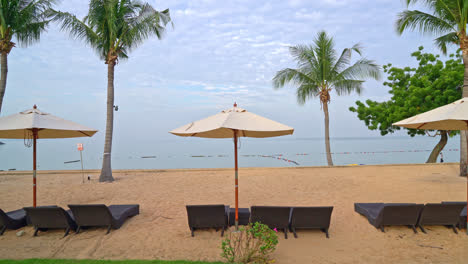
(439,147)
(463,134)
(327,134)
(106,171)
(3,80)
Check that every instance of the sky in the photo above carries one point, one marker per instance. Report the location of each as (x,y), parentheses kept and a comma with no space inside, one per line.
(217,53)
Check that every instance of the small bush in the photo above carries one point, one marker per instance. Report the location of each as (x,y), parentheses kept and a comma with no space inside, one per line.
(252,244)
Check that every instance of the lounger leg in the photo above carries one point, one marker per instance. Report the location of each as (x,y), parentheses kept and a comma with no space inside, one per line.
(326,232)
(414,229)
(382,229)
(454,229)
(422,229)
(108,229)
(222,232)
(36,229)
(192,230)
(2,230)
(78,229)
(294,232)
(67,231)
(285,233)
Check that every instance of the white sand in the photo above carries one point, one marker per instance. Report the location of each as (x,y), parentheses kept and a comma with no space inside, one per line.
(161,230)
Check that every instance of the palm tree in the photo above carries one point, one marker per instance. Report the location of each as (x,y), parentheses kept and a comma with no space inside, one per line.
(320,71)
(113,28)
(447,22)
(22,21)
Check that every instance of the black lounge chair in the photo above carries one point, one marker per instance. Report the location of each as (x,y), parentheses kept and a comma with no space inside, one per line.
(440,214)
(390,214)
(462,222)
(273,216)
(50,217)
(113,216)
(311,218)
(12,220)
(208,216)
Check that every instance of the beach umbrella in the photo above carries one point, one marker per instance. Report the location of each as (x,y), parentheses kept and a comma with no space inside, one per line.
(453,116)
(33,124)
(234,123)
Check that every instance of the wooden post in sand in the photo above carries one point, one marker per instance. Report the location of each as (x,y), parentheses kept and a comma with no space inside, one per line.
(236,180)
(34,130)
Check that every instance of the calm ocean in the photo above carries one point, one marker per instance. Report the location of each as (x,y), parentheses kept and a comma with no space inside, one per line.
(218,153)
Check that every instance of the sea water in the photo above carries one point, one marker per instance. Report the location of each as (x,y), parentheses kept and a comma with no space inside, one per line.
(171,153)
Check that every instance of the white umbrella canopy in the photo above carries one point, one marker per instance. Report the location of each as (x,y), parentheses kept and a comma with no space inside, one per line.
(453,116)
(234,123)
(224,123)
(48,126)
(34,124)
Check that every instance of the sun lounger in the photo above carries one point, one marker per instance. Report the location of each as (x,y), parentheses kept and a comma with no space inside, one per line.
(311,218)
(12,220)
(244,216)
(390,214)
(113,216)
(273,216)
(462,222)
(440,214)
(50,217)
(208,216)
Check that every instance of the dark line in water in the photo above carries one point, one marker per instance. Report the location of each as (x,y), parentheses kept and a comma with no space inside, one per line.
(71,161)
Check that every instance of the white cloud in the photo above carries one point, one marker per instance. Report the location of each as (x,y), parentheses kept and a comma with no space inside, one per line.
(308,15)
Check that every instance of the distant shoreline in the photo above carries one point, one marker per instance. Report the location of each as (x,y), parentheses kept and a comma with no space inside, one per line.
(97,171)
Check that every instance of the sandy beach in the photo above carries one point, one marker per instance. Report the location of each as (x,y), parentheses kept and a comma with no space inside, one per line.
(161,230)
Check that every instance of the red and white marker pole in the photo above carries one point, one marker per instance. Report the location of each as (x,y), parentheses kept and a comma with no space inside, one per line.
(80,149)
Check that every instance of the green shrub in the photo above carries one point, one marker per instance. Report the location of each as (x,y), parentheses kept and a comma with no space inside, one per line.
(251,244)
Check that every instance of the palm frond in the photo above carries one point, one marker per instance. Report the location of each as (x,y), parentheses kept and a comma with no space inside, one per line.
(291,76)
(326,55)
(360,70)
(77,29)
(423,22)
(347,86)
(24,19)
(30,33)
(442,41)
(306,91)
(303,54)
(345,58)
(115,27)
(148,22)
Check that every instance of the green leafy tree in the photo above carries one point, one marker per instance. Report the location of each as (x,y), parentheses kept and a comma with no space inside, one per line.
(320,70)
(22,21)
(113,28)
(446,20)
(432,84)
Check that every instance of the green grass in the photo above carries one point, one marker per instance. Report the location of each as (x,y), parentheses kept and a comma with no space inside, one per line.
(89,261)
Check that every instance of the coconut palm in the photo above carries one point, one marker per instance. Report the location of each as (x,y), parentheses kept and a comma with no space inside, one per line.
(113,28)
(22,21)
(320,70)
(446,21)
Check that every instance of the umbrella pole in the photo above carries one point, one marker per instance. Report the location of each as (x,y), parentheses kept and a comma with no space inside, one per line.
(34,165)
(236,181)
